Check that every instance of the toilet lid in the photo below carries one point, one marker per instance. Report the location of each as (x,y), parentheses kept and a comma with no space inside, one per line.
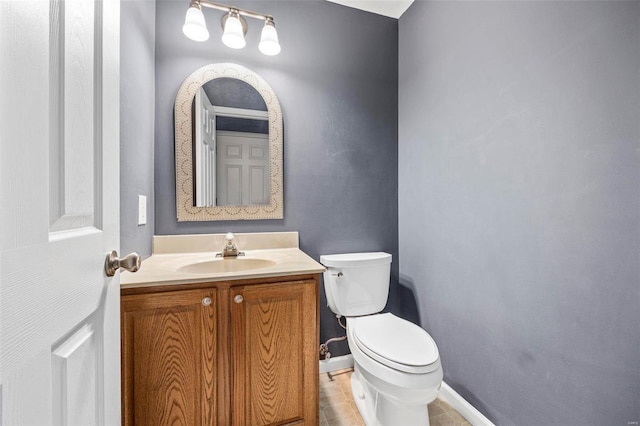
(396,343)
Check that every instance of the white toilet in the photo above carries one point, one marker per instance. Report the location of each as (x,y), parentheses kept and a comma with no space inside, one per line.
(397,365)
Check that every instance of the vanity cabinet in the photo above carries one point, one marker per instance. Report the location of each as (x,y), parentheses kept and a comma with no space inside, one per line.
(241,352)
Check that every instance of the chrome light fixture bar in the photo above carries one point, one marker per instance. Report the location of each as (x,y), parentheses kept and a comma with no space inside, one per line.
(233,24)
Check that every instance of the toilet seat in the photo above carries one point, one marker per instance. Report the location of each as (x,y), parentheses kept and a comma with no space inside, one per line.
(396,343)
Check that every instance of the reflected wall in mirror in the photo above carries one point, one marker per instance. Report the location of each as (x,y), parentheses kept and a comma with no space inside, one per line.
(228,146)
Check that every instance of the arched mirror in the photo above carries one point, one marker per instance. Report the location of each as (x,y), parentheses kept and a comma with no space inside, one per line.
(228,146)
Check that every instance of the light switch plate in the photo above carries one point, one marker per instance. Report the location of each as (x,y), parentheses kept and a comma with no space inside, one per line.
(142,209)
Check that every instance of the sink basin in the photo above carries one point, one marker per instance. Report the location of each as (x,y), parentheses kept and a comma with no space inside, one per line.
(239,264)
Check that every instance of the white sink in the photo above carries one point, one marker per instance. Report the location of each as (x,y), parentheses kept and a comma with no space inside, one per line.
(230,264)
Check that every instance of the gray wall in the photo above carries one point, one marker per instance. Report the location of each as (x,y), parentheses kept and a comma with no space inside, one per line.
(336,79)
(519,201)
(137,107)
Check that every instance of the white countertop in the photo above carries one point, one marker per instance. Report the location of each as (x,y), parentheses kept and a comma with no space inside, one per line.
(165,267)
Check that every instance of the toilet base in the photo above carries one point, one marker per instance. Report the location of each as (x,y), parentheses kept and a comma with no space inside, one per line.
(377,409)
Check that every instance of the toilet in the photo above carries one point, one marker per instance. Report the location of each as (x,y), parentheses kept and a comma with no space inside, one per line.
(397,369)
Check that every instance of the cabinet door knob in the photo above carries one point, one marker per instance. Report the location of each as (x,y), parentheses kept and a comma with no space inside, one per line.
(238,298)
(206,301)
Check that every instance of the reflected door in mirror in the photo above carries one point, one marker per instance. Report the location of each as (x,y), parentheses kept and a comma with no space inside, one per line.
(204,151)
(243,168)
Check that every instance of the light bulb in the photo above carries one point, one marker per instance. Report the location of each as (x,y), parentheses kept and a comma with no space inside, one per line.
(233,35)
(269,40)
(194,26)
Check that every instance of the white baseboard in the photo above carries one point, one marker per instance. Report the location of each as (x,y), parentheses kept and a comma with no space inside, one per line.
(337,363)
(462,406)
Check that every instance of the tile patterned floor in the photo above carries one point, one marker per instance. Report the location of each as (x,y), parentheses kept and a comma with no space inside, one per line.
(338,409)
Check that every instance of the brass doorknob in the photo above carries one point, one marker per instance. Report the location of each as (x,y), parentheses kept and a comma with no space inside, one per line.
(130,262)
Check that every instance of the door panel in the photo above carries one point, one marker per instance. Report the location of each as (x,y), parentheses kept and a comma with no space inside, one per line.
(75,93)
(74,362)
(258,176)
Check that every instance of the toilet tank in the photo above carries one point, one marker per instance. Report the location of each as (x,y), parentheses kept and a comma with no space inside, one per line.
(356,283)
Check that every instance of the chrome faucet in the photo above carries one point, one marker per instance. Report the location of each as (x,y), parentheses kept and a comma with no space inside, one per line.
(230,249)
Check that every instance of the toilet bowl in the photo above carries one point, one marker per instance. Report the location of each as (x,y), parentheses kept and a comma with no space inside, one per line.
(397,369)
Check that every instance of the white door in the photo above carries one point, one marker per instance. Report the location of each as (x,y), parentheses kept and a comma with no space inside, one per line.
(59,208)
(243,165)
(205,150)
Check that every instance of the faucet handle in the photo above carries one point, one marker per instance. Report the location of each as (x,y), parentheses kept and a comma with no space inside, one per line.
(230,249)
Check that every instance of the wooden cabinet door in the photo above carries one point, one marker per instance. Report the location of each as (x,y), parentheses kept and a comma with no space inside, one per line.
(168,348)
(274,357)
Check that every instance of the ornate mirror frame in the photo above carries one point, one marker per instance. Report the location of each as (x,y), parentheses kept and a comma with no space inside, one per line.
(186,211)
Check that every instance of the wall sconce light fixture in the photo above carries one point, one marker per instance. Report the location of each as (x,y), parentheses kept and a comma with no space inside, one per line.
(233,24)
